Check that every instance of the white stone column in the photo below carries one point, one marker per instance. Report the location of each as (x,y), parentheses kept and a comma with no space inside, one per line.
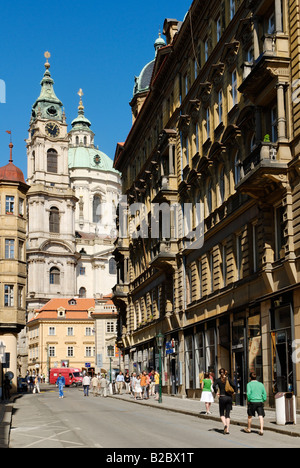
(281,112)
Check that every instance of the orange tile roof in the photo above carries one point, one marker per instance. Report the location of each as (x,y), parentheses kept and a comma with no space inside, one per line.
(81,304)
(72,312)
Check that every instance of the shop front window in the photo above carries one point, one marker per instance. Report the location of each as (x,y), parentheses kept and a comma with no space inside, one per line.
(283,374)
(255,346)
(189,362)
(210,343)
(199,357)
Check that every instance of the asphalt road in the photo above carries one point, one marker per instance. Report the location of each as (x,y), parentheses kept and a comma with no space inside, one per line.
(45,421)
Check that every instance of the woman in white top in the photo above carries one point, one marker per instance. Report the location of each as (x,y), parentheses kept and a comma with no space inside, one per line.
(137,387)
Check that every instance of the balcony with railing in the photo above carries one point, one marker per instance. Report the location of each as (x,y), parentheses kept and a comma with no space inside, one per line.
(260,170)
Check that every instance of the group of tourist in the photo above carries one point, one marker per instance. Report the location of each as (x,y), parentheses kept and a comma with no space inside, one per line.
(141,386)
(225,388)
(145,385)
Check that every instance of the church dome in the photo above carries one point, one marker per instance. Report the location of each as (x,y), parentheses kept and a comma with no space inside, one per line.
(10,172)
(142,82)
(82,157)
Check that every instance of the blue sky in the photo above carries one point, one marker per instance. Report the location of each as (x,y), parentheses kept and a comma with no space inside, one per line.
(95,45)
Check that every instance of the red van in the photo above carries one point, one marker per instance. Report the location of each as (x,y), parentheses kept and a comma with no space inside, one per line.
(73,377)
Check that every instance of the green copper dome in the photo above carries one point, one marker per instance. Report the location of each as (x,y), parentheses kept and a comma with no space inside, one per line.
(82,152)
(82,157)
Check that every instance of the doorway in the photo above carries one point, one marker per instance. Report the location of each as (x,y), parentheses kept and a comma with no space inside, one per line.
(239,378)
(174,376)
(282,361)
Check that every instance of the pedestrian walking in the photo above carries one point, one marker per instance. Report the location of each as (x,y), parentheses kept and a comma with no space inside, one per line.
(60,383)
(99,380)
(144,384)
(157,384)
(103,386)
(30,382)
(37,381)
(127,382)
(132,383)
(86,382)
(138,388)
(257,396)
(120,383)
(94,383)
(225,389)
(207,396)
(152,384)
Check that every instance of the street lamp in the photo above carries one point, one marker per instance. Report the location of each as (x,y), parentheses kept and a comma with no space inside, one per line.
(160,344)
(110,354)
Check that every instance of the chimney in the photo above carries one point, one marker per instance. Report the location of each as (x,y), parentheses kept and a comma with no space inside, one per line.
(171,28)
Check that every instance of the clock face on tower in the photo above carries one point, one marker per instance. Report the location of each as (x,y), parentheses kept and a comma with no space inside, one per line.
(52,130)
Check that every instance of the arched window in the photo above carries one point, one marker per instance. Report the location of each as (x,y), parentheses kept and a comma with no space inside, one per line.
(77,140)
(96,209)
(52,161)
(54,220)
(85,141)
(82,293)
(55,276)
(112,267)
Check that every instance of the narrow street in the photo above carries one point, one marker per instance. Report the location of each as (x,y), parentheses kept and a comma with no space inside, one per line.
(45,421)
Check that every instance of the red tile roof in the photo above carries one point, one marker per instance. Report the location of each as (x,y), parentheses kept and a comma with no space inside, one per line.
(78,311)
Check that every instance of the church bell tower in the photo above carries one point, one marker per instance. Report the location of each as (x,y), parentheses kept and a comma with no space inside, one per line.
(51,254)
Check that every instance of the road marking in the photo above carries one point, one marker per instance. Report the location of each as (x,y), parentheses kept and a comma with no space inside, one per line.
(52,438)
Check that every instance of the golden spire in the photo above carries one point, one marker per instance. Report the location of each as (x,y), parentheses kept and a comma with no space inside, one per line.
(47,55)
(81,106)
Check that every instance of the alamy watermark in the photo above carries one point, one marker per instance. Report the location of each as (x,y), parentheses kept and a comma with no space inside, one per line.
(2,92)
(159,221)
(296,91)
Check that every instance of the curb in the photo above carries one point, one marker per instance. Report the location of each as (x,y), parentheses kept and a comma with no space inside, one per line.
(213,418)
(5,424)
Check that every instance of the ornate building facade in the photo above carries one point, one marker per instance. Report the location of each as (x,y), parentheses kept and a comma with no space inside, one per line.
(51,249)
(219,127)
(13,274)
(74,192)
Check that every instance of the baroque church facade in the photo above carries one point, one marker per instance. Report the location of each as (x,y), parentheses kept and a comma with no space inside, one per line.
(70,238)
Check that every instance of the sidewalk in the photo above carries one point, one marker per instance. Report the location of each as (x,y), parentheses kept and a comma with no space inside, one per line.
(195,408)
(6,409)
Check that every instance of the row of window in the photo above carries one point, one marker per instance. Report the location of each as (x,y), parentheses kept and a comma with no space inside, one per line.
(54,216)
(144,314)
(70,353)
(212,269)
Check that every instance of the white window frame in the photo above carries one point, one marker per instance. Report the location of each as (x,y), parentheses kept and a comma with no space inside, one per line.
(9,295)
(9,249)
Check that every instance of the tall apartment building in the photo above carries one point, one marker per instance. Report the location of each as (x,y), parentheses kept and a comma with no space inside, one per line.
(219,126)
(13,273)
